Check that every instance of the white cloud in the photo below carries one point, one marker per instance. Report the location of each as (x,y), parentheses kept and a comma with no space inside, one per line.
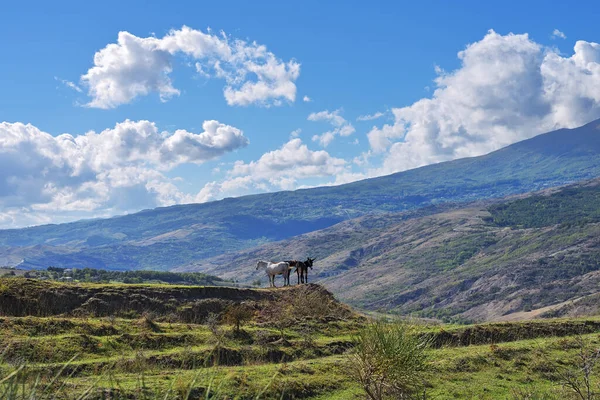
(558,34)
(332,117)
(216,140)
(341,126)
(508,88)
(282,169)
(363,159)
(136,66)
(306,99)
(370,117)
(69,84)
(98,174)
(325,138)
(295,133)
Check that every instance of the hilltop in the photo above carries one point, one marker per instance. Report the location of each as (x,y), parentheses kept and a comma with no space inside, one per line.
(172,237)
(522,257)
(31,297)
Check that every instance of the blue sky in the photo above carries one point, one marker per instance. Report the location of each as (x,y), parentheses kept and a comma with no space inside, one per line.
(350,59)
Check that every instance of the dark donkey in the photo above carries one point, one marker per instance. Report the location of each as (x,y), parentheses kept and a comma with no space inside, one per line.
(302,268)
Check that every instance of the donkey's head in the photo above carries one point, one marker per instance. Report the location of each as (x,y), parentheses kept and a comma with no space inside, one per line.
(309,261)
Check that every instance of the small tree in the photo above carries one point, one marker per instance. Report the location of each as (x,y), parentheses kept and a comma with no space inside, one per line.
(238,315)
(212,323)
(389,360)
(579,376)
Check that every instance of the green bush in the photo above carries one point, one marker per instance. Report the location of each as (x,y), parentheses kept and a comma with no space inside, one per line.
(389,360)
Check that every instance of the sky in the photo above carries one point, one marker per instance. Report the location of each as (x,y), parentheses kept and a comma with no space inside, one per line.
(108,108)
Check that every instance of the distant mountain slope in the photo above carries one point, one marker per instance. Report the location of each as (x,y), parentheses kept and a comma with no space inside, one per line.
(165,238)
(485,261)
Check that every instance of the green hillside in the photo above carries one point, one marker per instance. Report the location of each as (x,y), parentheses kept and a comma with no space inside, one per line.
(293,343)
(570,206)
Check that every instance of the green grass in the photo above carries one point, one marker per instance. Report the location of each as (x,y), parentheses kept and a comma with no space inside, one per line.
(515,358)
(294,347)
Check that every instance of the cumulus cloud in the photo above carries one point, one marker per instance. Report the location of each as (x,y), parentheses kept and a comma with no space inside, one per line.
(370,117)
(508,88)
(556,34)
(306,99)
(186,147)
(98,174)
(341,127)
(286,168)
(136,66)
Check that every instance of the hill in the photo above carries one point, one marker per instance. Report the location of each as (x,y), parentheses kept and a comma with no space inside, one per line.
(517,258)
(166,238)
(32,297)
(109,276)
(293,343)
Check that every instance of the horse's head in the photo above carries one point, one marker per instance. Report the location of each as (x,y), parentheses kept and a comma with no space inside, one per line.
(258,264)
(309,261)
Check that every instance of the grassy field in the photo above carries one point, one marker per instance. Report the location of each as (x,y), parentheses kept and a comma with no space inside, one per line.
(294,344)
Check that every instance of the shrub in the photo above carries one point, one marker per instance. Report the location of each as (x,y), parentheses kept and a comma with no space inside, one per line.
(389,360)
(218,335)
(580,376)
(237,315)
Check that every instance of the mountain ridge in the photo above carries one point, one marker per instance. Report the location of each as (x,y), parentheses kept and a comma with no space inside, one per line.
(170,237)
(458,263)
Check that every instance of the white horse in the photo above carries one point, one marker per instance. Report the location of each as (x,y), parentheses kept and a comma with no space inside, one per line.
(275,268)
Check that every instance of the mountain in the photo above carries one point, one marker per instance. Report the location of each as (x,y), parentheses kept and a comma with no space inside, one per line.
(166,238)
(521,257)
